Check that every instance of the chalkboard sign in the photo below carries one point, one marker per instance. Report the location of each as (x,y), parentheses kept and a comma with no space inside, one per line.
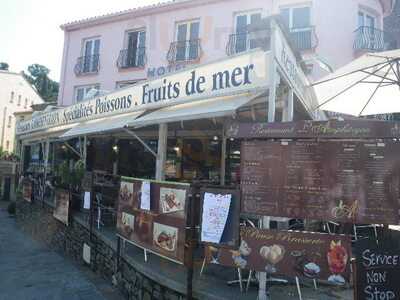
(378,269)
(230,224)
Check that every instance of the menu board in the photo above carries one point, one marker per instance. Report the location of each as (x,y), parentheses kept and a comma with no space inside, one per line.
(348,181)
(61,210)
(27,190)
(288,253)
(347,129)
(377,269)
(220,216)
(159,227)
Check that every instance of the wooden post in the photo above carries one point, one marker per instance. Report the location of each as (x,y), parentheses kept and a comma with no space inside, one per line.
(161,151)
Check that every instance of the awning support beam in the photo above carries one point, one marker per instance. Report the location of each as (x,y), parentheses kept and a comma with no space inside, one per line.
(132,133)
(72,149)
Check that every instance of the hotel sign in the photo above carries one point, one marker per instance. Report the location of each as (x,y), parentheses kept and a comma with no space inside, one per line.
(239,74)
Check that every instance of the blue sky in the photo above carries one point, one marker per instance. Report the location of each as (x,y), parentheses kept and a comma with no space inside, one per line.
(30,32)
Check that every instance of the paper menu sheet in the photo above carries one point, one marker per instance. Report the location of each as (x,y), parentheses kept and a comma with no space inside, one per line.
(214,217)
(86,202)
(145,196)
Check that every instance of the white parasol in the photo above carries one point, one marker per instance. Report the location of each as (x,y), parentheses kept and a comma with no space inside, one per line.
(368,85)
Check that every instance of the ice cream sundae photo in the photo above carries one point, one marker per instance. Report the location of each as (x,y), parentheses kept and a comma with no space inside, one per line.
(337,261)
(273,255)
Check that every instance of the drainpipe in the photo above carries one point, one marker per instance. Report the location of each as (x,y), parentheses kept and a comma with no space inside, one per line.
(4,127)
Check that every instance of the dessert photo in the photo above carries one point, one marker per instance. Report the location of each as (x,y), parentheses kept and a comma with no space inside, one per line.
(172,200)
(165,237)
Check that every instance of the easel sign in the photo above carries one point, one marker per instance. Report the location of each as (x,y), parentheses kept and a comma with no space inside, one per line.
(152,215)
(378,268)
(220,215)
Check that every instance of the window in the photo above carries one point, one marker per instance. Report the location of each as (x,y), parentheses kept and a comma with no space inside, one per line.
(134,54)
(22,118)
(19,100)
(9,121)
(91,50)
(12,97)
(123,84)
(242,21)
(298,21)
(26,103)
(84,92)
(366,20)
(368,37)
(187,40)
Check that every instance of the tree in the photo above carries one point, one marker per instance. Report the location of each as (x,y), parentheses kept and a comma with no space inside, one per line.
(4,66)
(38,77)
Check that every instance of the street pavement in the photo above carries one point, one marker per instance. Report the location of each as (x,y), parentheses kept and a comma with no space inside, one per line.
(29,271)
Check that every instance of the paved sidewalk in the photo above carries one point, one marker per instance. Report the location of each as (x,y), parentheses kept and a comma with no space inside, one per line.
(29,271)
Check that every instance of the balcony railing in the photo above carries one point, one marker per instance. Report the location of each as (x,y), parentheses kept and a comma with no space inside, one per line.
(242,42)
(184,51)
(132,58)
(369,38)
(87,64)
(304,38)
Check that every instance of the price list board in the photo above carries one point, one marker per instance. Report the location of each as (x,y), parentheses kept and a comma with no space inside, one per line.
(349,181)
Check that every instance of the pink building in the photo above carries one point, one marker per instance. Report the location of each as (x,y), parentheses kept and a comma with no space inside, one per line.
(111,51)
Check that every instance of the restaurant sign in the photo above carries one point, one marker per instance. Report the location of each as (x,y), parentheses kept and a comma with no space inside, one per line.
(333,129)
(289,253)
(235,75)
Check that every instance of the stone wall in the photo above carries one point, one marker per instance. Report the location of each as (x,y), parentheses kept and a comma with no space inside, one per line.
(37,220)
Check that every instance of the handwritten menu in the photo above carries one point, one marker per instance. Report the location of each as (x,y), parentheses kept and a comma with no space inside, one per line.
(378,270)
(350,181)
(215,214)
(289,253)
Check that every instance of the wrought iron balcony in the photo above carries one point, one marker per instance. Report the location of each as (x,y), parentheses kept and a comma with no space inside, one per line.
(246,41)
(304,38)
(184,51)
(369,38)
(132,58)
(87,64)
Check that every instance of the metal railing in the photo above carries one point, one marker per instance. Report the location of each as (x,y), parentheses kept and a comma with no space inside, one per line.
(184,51)
(304,38)
(87,64)
(132,58)
(369,38)
(242,42)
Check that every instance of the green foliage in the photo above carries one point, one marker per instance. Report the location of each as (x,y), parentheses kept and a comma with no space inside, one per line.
(4,66)
(78,173)
(38,77)
(68,177)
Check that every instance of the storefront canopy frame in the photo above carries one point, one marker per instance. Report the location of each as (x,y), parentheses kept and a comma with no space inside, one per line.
(101,125)
(202,109)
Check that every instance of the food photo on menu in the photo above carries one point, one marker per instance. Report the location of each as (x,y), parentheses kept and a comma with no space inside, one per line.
(172,200)
(165,237)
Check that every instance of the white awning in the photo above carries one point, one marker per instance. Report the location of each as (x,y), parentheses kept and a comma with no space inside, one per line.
(202,109)
(102,125)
